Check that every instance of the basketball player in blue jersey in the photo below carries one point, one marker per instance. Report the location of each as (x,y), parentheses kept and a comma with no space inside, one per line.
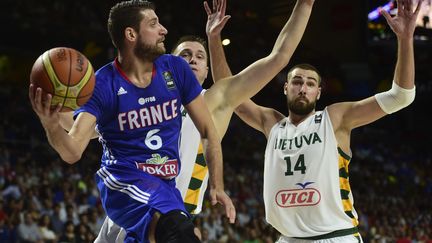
(135,108)
(307,194)
(223,97)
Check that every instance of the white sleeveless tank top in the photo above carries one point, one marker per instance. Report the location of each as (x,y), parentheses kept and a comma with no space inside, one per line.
(306,184)
(193,177)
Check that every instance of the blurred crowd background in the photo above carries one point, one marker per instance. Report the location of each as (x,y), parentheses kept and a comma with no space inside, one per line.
(42,199)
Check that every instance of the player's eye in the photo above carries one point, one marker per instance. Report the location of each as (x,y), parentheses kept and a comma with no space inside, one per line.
(297,81)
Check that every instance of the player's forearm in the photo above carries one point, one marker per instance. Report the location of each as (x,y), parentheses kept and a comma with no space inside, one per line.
(256,76)
(249,113)
(292,32)
(404,72)
(213,156)
(218,62)
(64,144)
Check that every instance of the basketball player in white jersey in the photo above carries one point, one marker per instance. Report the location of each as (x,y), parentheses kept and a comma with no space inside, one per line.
(222,97)
(307,193)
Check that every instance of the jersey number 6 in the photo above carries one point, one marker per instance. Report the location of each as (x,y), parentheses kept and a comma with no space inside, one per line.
(152,140)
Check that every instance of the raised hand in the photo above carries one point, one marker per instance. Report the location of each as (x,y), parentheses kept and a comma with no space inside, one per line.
(216,18)
(404,22)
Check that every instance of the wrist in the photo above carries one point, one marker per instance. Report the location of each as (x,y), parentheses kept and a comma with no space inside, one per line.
(406,39)
(214,36)
(52,128)
(216,186)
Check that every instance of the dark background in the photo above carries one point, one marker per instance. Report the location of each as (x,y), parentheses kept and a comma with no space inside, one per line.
(337,39)
(391,165)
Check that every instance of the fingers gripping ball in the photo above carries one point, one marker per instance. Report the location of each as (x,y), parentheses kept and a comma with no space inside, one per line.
(66,74)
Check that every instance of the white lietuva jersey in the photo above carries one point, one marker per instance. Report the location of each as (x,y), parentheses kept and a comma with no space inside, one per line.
(306,187)
(189,144)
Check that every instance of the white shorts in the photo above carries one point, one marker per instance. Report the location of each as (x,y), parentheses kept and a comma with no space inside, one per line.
(341,239)
(110,232)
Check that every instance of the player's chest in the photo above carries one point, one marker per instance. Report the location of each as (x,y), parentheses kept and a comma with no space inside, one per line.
(154,97)
(143,107)
(293,139)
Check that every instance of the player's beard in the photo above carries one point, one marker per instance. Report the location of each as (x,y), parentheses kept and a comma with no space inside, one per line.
(148,52)
(301,108)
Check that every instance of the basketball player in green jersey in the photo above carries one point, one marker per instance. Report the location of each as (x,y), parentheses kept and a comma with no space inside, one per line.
(307,194)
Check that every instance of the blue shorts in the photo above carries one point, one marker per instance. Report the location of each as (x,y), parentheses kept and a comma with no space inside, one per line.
(130,197)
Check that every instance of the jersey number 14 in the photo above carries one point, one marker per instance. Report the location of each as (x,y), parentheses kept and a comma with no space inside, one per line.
(299,165)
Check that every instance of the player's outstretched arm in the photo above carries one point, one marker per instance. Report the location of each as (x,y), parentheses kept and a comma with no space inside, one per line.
(218,99)
(200,115)
(70,146)
(248,82)
(350,115)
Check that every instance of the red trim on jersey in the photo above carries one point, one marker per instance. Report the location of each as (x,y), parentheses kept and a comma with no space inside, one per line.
(117,66)
(153,71)
(123,74)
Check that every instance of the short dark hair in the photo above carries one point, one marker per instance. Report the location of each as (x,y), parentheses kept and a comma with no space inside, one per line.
(191,38)
(305,66)
(125,14)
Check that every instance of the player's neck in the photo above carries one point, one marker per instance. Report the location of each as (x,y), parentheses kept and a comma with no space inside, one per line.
(296,119)
(138,71)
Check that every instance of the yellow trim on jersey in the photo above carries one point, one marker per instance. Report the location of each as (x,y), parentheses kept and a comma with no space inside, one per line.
(345,187)
(344,184)
(199,172)
(192,196)
(200,149)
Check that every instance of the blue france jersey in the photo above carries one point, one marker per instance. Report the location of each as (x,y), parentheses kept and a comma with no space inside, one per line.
(140,127)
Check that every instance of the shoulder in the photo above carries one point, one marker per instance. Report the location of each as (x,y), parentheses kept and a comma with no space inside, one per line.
(105,73)
(105,70)
(107,78)
(171,63)
(273,125)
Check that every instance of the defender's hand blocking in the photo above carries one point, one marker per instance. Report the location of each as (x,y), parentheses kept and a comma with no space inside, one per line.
(216,18)
(219,196)
(404,23)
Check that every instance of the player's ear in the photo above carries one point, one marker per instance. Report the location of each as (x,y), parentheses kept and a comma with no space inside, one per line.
(285,88)
(130,34)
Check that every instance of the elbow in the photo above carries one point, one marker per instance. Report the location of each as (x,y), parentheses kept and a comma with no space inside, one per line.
(244,107)
(280,59)
(71,159)
(395,99)
(239,110)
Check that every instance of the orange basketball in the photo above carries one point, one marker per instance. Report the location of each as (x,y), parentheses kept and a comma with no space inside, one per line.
(66,74)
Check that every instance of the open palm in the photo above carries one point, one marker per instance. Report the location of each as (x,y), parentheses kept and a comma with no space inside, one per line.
(216,18)
(403,24)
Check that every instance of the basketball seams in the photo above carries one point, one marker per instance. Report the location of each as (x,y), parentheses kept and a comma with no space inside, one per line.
(83,82)
(52,75)
(44,71)
(69,76)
